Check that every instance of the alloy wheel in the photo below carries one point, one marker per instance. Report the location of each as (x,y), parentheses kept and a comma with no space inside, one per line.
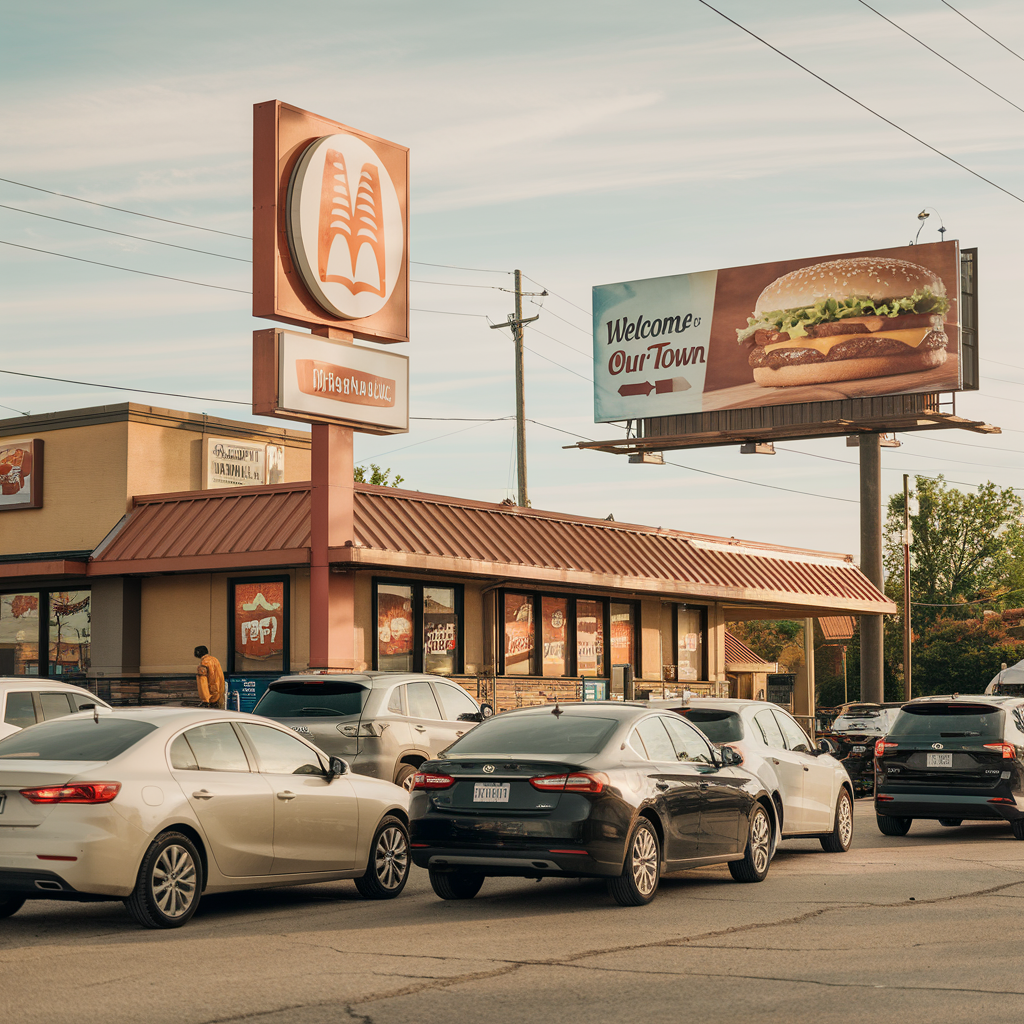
(391,858)
(174,881)
(760,841)
(645,862)
(845,822)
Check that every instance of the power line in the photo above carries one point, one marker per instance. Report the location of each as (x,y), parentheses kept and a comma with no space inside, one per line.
(540,305)
(557,296)
(128,270)
(980,29)
(133,213)
(456,284)
(864,3)
(863,106)
(115,387)
(448,266)
(438,437)
(123,234)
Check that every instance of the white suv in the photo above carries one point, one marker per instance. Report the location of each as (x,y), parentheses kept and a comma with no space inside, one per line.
(25,700)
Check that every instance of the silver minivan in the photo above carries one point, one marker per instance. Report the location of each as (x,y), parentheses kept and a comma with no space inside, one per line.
(385,724)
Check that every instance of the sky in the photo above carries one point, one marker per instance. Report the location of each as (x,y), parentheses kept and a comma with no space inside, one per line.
(582,143)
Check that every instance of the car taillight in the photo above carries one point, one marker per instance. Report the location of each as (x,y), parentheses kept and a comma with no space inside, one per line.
(578,782)
(1008,749)
(74,793)
(428,780)
(362,729)
(882,747)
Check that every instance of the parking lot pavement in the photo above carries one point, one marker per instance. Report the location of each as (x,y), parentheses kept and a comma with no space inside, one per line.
(925,928)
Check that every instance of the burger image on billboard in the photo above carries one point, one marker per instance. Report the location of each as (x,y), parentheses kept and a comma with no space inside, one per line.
(847,319)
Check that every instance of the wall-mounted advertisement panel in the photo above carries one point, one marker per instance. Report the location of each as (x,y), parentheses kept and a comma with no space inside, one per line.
(21,473)
(305,377)
(859,325)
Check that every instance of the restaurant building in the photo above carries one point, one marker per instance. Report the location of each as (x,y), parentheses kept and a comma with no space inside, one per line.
(155,531)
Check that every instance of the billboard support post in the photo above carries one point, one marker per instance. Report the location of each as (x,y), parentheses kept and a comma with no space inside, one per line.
(872,687)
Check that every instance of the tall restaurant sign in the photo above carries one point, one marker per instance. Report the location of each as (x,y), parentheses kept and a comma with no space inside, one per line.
(330,225)
(303,377)
(822,329)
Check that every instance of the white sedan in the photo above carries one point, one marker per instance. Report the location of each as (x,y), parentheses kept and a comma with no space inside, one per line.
(810,787)
(156,806)
(25,700)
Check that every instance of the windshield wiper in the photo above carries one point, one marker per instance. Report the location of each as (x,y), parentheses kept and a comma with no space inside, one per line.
(320,711)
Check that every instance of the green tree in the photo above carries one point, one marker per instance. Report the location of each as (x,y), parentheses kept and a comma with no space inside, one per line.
(378,476)
(962,655)
(772,639)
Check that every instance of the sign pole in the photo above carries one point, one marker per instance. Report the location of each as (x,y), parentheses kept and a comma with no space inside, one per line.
(523,501)
(906,587)
(872,684)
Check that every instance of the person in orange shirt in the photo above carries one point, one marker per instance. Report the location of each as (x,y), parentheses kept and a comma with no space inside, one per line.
(209,679)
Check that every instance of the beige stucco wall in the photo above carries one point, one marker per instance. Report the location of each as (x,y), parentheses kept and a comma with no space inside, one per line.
(84,492)
(178,613)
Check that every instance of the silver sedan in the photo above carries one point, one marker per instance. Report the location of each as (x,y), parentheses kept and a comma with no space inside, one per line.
(157,806)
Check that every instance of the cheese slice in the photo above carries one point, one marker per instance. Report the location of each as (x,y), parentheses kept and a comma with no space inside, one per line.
(911,337)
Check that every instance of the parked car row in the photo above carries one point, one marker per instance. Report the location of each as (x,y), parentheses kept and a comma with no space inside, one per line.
(158,806)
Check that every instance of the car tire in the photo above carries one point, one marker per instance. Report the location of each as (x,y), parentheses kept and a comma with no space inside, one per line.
(169,883)
(456,885)
(757,855)
(641,870)
(1018,828)
(840,839)
(890,826)
(951,822)
(10,904)
(387,869)
(404,776)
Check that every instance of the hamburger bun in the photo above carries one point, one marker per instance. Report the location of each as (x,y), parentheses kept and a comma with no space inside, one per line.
(827,372)
(873,277)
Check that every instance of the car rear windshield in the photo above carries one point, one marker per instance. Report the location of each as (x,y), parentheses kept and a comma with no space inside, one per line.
(80,740)
(310,700)
(536,734)
(948,721)
(718,726)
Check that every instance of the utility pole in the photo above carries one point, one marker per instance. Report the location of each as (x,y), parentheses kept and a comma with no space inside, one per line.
(516,321)
(906,586)
(872,680)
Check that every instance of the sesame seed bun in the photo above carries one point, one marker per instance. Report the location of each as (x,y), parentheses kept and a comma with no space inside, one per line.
(874,277)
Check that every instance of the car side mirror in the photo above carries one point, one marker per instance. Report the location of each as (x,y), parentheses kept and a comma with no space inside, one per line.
(486,710)
(730,757)
(339,767)
(827,747)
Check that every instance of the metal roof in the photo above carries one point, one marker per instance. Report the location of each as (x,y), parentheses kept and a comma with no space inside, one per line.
(738,653)
(837,627)
(424,533)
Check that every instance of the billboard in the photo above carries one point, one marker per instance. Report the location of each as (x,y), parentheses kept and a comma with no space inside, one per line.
(21,473)
(330,225)
(824,329)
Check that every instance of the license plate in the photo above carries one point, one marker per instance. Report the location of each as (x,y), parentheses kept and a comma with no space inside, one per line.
(859,750)
(940,761)
(490,793)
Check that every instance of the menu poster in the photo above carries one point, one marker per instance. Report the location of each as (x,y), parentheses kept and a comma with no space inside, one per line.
(259,612)
(394,622)
(519,635)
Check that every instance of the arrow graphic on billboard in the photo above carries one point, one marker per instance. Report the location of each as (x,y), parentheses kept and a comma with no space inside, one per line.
(662,387)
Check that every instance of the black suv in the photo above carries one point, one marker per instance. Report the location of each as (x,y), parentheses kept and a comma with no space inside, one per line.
(950,759)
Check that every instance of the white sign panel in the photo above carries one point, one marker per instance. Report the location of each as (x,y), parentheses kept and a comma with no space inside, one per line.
(336,381)
(228,462)
(651,340)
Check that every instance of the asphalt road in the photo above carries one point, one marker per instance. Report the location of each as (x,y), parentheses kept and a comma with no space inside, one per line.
(923,928)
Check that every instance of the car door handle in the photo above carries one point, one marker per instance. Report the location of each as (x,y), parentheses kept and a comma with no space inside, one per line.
(806,769)
(661,785)
(420,728)
(704,785)
(203,794)
(286,794)
(775,760)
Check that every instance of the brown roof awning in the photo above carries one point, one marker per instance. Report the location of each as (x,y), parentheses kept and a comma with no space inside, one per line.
(738,653)
(422,533)
(837,627)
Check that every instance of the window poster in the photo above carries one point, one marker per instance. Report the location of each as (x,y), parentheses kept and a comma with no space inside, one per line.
(554,613)
(440,630)
(19,634)
(623,639)
(690,644)
(70,630)
(519,638)
(395,639)
(259,614)
(590,638)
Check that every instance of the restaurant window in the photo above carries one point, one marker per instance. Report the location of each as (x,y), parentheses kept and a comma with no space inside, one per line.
(46,633)
(622,618)
(519,634)
(691,629)
(419,627)
(590,638)
(259,625)
(554,614)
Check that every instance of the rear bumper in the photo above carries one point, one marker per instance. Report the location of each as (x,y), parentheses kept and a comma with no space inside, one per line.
(43,885)
(521,862)
(947,805)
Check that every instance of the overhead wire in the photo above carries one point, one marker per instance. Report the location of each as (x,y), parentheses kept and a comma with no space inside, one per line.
(551,312)
(980,29)
(556,295)
(863,106)
(894,24)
